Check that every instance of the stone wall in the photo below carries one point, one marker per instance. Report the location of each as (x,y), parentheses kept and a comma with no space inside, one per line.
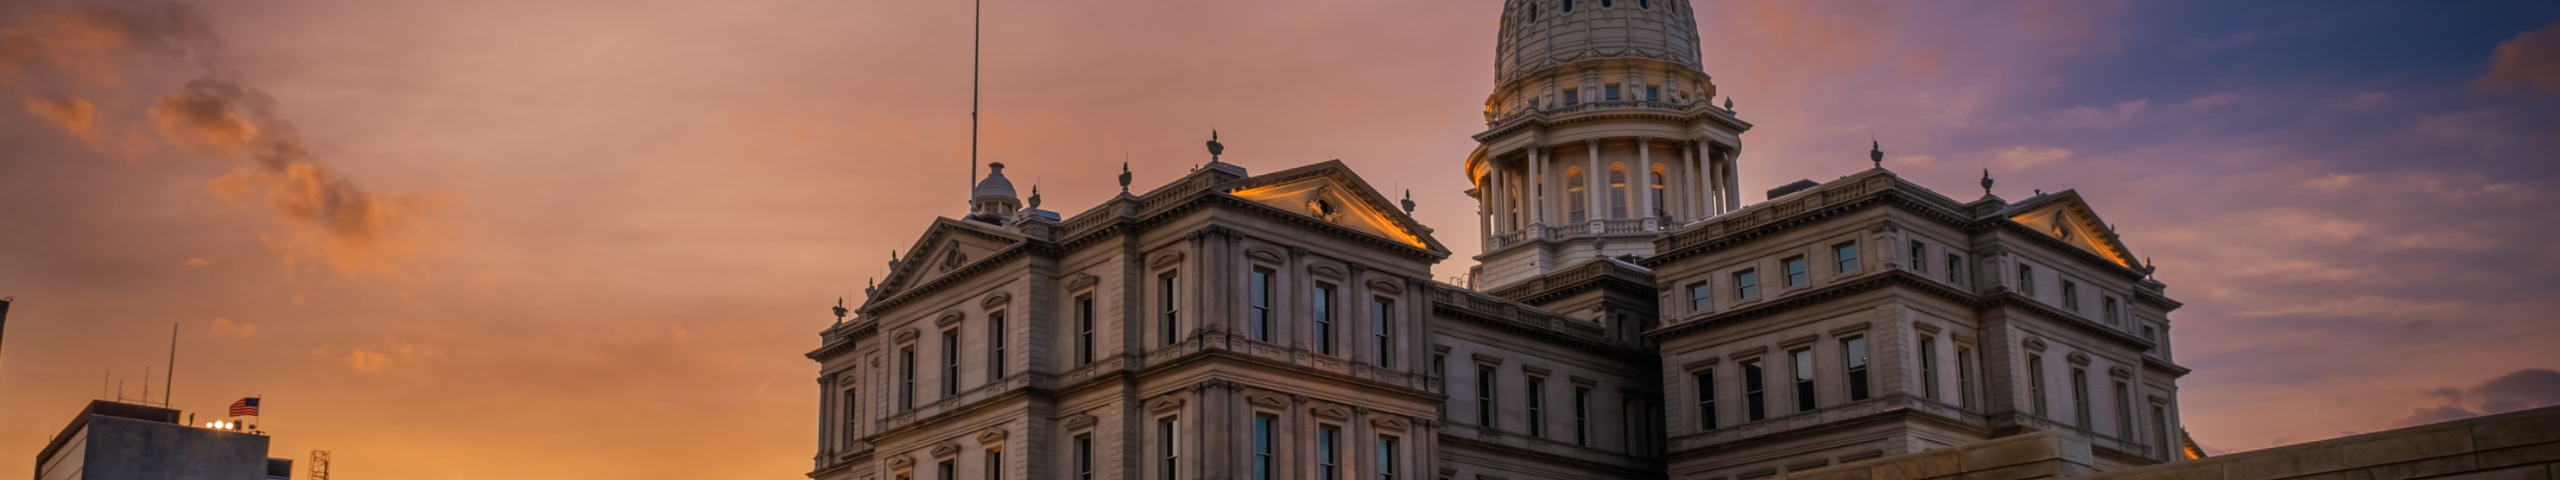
(2513,446)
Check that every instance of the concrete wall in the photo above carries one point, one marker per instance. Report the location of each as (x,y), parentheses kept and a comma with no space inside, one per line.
(2514,446)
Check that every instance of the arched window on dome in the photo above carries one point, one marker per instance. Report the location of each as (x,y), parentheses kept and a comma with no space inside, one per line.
(1617,192)
(1660,209)
(1568,6)
(1577,202)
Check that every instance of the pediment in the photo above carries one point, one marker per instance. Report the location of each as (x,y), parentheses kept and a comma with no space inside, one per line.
(2064,216)
(946,247)
(1328,192)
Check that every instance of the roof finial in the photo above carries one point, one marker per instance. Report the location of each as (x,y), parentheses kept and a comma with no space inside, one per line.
(1728,103)
(1214,147)
(840,310)
(893,259)
(1986,182)
(1876,153)
(1035,196)
(1124,177)
(1408,201)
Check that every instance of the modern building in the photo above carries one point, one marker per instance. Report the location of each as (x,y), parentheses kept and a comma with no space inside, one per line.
(124,441)
(1630,315)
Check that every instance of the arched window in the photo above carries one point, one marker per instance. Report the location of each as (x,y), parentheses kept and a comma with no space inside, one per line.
(1617,193)
(1568,6)
(1605,3)
(1645,4)
(1533,13)
(1659,209)
(1578,204)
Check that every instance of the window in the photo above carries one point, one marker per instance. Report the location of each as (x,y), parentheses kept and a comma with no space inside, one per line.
(1652,93)
(2107,310)
(2124,411)
(995,347)
(1484,397)
(852,414)
(2035,382)
(1568,5)
(1644,3)
(1802,361)
(1609,92)
(1955,269)
(1263,469)
(1660,201)
(1381,325)
(1854,350)
(1605,3)
(1258,325)
(1754,401)
(1795,269)
(1084,457)
(2160,430)
(1700,299)
(1706,400)
(1929,368)
(1920,257)
(945,471)
(2150,335)
(1582,416)
(1577,204)
(995,465)
(1572,96)
(1846,255)
(1440,370)
(1533,12)
(1631,433)
(907,378)
(1387,458)
(2026,280)
(1084,330)
(1327,468)
(2071,296)
(951,362)
(1964,376)
(1324,319)
(2080,398)
(1746,285)
(1169,437)
(1617,193)
(1537,407)
(1172,305)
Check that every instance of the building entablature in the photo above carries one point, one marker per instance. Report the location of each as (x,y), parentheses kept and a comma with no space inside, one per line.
(1868,189)
(1451,301)
(1697,119)
(1902,279)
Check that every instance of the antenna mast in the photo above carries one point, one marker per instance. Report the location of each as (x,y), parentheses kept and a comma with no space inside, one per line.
(977,21)
(171,381)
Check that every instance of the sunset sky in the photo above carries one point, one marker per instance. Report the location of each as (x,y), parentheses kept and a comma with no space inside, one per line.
(592,239)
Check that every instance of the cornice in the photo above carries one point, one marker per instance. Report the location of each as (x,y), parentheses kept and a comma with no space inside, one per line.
(1906,279)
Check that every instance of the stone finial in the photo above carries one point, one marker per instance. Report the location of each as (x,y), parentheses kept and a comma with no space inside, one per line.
(893,259)
(1728,103)
(1408,201)
(840,310)
(1986,181)
(1875,153)
(1124,177)
(1035,196)
(1215,148)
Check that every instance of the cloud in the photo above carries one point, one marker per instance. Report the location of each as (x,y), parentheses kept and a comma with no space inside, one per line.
(677,331)
(2530,61)
(2517,390)
(367,361)
(198,262)
(226,327)
(2022,157)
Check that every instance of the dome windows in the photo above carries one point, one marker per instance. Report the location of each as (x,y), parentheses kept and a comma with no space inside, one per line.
(1568,6)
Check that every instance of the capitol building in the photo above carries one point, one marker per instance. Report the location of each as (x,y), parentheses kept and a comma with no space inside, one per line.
(1635,313)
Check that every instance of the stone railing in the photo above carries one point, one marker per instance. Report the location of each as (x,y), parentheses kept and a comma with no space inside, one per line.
(1552,112)
(1618,226)
(1514,237)
(1488,306)
(1757,215)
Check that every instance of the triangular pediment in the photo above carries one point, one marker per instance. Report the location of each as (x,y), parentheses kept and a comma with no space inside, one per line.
(2066,217)
(1329,192)
(947,246)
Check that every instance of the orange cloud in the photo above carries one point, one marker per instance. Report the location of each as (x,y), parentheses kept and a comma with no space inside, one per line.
(228,328)
(367,361)
(73,114)
(2530,61)
(202,116)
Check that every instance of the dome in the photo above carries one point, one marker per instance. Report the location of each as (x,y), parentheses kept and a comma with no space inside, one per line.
(1540,34)
(995,185)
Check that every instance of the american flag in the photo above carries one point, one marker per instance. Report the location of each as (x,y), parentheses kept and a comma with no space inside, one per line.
(246,407)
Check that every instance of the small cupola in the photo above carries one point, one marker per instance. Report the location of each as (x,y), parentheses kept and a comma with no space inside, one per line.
(993,200)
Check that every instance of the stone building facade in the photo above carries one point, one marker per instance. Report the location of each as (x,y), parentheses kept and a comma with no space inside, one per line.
(1630,316)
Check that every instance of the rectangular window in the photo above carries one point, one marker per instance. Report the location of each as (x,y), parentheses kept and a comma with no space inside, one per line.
(1084,330)
(1612,91)
(995,347)
(1701,298)
(1746,285)
(1084,457)
(1919,257)
(1258,321)
(1170,329)
(2107,310)
(2071,296)
(1327,468)
(1263,469)
(2160,430)
(1582,416)
(906,378)
(1387,458)
(1537,407)
(1846,255)
(1802,361)
(2026,280)
(1652,93)
(2124,412)
(1706,400)
(1796,272)
(1631,432)
(1169,439)
(945,470)
(1964,377)
(1955,269)
(1382,326)
(1324,319)
(2080,398)
(1854,350)
(852,414)
(951,362)
(1754,392)
(1484,397)
(995,465)
(2035,383)
(1572,96)
(1929,368)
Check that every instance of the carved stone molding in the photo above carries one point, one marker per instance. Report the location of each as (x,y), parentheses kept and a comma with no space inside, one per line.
(1079,422)
(2033,343)
(901,463)
(996,301)
(1885,227)
(1492,360)
(1389,422)
(2119,372)
(1297,252)
(907,335)
(1167,260)
(1165,404)
(1265,255)
(1331,411)
(1268,400)
(992,437)
(1082,281)
(946,450)
(2078,358)
(1384,286)
(947,320)
(1324,271)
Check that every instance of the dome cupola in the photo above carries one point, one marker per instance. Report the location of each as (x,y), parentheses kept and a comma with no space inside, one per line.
(993,199)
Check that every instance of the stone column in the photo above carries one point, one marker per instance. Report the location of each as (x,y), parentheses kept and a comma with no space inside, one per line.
(1593,177)
(1484,207)
(1537,186)
(1732,182)
(1697,165)
(1644,181)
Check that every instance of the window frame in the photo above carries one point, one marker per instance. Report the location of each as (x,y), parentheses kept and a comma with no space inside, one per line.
(1844,258)
(1323,318)
(1796,271)
(1800,363)
(1706,392)
(1746,284)
(1854,358)
(1755,390)
(1258,297)
(1701,297)
(1084,348)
